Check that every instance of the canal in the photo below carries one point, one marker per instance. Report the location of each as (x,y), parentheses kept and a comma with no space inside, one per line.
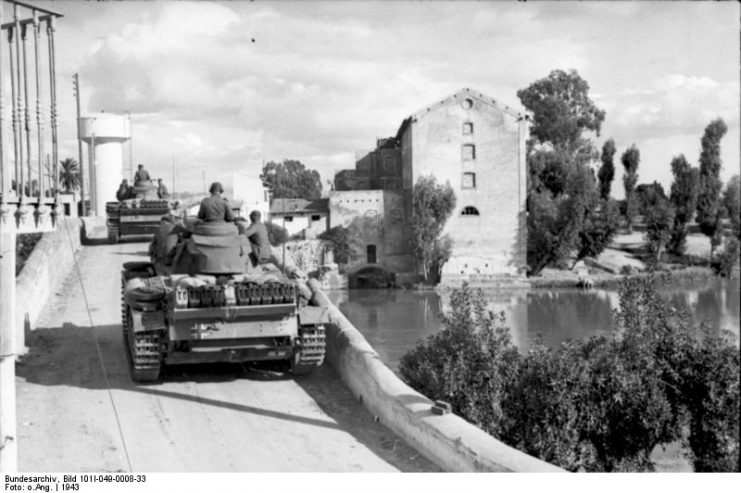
(393,321)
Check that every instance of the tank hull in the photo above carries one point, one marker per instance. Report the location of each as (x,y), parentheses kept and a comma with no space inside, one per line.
(169,320)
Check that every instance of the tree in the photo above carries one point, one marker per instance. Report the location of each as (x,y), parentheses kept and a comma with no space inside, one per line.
(561,187)
(630,159)
(607,171)
(732,204)
(659,222)
(683,197)
(600,227)
(432,205)
(708,199)
(562,110)
(338,239)
(291,180)
(276,234)
(648,195)
(69,175)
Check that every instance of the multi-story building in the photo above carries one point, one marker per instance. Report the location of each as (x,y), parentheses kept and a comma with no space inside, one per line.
(477,145)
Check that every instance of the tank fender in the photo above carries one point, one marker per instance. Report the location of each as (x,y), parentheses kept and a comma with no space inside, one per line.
(147,321)
(313,315)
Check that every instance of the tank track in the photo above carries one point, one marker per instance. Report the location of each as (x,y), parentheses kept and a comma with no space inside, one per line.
(145,357)
(311,353)
(143,349)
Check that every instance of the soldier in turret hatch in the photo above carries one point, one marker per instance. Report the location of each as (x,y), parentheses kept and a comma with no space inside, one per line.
(215,208)
(141,175)
(124,191)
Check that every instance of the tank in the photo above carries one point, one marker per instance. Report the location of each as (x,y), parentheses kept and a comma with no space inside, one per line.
(200,300)
(138,215)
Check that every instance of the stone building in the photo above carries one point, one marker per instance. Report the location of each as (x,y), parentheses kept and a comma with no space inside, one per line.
(477,145)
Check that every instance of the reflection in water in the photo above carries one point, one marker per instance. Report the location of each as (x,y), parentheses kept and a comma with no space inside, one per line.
(394,320)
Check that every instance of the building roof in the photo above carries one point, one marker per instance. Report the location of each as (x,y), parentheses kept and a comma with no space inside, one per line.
(463,92)
(299,206)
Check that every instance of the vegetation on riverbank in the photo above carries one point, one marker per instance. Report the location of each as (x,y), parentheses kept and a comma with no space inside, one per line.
(599,404)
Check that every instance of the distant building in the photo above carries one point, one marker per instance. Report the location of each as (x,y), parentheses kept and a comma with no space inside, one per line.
(467,139)
(307,217)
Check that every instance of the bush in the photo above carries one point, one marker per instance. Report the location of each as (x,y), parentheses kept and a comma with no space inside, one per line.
(600,404)
(725,260)
(468,363)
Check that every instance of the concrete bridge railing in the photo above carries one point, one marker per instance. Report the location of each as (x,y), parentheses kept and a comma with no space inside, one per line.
(447,440)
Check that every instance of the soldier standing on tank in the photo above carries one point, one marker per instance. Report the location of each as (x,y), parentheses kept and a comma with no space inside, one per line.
(141,175)
(162,189)
(215,208)
(257,233)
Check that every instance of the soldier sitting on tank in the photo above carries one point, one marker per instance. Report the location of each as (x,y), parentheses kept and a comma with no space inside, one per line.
(163,246)
(141,177)
(257,233)
(162,192)
(125,191)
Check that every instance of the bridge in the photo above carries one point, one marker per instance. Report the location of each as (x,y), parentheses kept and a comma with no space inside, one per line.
(77,408)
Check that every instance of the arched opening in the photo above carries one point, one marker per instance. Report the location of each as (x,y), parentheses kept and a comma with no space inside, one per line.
(469,210)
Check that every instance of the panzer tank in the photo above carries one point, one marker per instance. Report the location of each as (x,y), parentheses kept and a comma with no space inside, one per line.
(200,300)
(138,215)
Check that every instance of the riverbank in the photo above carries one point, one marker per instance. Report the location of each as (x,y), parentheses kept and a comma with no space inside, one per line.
(553,278)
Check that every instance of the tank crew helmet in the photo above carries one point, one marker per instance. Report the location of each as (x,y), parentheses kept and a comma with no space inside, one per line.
(216,188)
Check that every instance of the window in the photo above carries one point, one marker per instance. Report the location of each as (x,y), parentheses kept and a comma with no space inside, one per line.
(469,152)
(469,180)
(467,128)
(289,219)
(469,211)
(370,252)
(316,217)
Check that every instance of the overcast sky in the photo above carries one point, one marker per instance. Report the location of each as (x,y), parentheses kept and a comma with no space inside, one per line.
(222,86)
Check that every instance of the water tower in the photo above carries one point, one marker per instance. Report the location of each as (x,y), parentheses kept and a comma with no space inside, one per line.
(105,135)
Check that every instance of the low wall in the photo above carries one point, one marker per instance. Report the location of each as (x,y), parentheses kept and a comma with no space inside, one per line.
(52,259)
(448,440)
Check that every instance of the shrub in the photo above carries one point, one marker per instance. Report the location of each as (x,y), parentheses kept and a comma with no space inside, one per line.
(24,245)
(600,404)
(725,260)
(468,364)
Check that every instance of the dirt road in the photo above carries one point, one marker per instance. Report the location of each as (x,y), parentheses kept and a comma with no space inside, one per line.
(78,410)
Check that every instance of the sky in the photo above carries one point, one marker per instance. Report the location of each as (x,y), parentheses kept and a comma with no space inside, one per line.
(219,87)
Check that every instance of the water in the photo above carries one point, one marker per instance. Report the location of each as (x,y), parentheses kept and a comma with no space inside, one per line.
(394,320)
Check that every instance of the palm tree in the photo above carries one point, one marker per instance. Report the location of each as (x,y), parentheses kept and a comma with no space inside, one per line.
(69,175)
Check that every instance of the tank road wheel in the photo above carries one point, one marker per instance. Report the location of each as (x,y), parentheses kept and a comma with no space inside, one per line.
(310,353)
(113,235)
(143,349)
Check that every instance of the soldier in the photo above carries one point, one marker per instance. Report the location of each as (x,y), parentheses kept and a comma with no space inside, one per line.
(162,189)
(215,208)
(124,191)
(257,233)
(141,175)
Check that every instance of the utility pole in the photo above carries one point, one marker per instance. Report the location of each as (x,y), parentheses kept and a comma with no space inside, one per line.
(76,88)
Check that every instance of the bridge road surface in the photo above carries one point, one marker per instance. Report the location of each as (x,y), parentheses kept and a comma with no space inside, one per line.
(78,410)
